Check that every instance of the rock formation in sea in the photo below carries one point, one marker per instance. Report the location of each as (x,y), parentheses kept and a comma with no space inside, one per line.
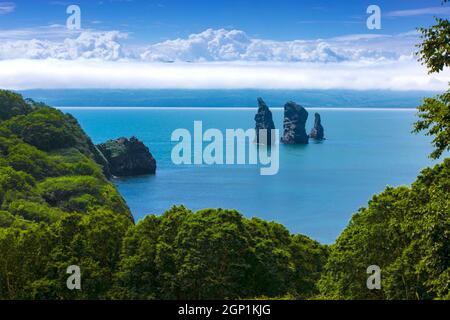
(295,117)
(264,120)
(317,132)
(128,157)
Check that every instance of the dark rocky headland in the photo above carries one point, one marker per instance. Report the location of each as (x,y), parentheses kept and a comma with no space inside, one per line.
(128,157)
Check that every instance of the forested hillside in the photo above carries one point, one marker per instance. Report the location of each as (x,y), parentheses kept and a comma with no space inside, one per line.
(406,232)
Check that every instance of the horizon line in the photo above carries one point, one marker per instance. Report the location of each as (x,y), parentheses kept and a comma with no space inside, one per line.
(231,108)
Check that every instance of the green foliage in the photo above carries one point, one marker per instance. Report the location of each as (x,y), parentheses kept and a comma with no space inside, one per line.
(14,183)
(32,211)
(309,258)
(208,254)
(26,158)
(435,120)
(405,231)
(6,219)
(435,112)
(272,265)
(434,50)
(24,256)
(44,128)
(73,162)
(59,190)
(35,259)
(211,255)
(12,104)
(93,243)
(215,254)
(81,194)
(56,206)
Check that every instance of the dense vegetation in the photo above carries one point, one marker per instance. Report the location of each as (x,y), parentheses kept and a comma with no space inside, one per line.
(406,232)
(214,254)
(56,206)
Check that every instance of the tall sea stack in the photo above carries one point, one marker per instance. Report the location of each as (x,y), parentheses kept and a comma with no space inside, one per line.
(264,120)
(317,132)
(295,117)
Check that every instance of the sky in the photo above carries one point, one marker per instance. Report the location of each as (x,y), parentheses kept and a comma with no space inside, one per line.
(157,20)
(315,44)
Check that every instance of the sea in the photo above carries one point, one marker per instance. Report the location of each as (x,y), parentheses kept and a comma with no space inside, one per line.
(319,186)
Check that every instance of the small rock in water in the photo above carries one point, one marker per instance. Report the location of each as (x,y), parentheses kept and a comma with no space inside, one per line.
(128,157)
(317,132)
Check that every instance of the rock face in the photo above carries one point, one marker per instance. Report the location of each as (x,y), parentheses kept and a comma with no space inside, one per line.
(264,120)
(128,157)
(295,117)
(317,132)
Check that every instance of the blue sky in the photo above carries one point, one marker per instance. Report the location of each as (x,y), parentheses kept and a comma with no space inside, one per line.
(157,20)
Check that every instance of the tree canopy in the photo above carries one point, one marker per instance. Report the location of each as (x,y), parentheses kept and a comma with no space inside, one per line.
(406,232)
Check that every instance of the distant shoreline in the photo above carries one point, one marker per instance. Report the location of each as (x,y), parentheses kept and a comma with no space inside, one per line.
(238,98)
(362,109)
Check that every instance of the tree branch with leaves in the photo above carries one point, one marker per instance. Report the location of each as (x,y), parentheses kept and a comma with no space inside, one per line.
(434,113)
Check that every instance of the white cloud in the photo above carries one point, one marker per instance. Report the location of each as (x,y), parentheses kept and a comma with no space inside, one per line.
(91,73)
(210,45)
(419,12)
(87,44)
(212,59)
(7,7)
(235,45)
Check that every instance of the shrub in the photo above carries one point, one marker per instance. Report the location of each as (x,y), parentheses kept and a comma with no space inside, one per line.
(12,104)
(44,128)
(61,189)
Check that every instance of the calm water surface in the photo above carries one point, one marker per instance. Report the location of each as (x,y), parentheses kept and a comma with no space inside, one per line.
(318,187)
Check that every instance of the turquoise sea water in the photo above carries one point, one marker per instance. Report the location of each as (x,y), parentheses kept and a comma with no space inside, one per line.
(318,187)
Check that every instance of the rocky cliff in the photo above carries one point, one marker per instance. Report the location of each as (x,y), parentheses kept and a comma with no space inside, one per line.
(128,157)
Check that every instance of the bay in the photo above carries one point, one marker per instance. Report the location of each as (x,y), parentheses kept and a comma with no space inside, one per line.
(318,187)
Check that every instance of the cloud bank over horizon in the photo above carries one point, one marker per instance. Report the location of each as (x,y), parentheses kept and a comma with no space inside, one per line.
(209,45)
(213,59)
